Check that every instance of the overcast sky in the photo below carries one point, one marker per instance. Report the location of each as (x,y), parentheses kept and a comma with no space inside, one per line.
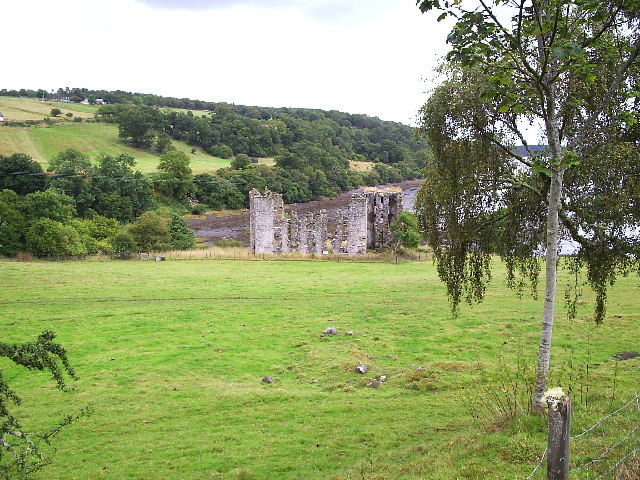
(358,56)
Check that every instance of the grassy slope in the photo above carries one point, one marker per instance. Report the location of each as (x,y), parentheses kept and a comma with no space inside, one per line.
(21,109)
(43,143)
(170,356)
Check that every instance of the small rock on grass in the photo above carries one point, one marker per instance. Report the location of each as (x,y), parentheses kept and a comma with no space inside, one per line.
(268,380)
(330,331)
(361,368)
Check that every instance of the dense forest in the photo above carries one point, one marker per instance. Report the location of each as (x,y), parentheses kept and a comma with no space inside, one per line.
(312,152)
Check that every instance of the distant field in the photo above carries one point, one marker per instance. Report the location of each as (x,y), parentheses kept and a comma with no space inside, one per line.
(44,142)
(171,355)
(361,166)
(22,109)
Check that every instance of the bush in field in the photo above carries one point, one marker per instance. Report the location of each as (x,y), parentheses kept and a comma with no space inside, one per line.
(49,239)
(240,161)
(150,232)
(123,245)
(228,242)
(221,151)
(181,237)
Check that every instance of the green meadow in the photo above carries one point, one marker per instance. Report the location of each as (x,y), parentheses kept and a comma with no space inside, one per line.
(170,357)
(43,142)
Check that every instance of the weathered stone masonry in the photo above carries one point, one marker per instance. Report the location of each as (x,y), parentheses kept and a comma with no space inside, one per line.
(364,226)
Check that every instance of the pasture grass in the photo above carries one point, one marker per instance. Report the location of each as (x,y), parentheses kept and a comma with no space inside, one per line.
(42,143)
(171,355)
(23,109)
(359,166)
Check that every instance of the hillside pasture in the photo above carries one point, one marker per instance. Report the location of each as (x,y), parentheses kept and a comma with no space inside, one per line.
(42,142)
(23,109)
(171,355)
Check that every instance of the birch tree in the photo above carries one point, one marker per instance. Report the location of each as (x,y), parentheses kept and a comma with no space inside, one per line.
(570,69)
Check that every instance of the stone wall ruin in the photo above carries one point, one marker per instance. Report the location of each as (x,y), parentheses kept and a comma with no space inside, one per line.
(364,225)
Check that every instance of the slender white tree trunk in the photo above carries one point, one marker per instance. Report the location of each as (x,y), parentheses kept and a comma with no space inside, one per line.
(549,107)
(544,350)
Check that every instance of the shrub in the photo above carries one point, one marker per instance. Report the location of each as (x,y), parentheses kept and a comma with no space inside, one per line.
(181,237)
(240,161)
(150,232)
(123,245)
(199,209)
(48,239)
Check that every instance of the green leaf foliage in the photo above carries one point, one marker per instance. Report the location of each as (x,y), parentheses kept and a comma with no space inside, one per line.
(48,238)
(20,173)
(123,245)
(12,227)
(569,66)
(405,230)
(20,449)
(150,232)
(182,238)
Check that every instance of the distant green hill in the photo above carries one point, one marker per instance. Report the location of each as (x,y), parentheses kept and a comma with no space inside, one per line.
(42,142)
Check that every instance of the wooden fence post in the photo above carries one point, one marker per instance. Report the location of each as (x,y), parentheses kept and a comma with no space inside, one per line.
(558,442)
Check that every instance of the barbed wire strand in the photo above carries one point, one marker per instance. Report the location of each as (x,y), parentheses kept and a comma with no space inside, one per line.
(606,417)
(538,466)
(596,460)
(620,462)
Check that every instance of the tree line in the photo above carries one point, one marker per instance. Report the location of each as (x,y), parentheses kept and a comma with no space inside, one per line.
(312,149)
(82,208)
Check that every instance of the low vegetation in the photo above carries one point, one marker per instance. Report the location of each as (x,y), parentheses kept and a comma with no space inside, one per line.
(170,357)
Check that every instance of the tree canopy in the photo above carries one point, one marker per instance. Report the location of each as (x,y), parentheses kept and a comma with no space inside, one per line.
(569,69)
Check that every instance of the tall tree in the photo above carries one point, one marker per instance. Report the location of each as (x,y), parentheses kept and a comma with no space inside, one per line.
(120,192)
(175,178)
(20,173)
(569,68)
(72,172)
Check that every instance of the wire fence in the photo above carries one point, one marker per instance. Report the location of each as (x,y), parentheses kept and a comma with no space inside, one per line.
(604,450)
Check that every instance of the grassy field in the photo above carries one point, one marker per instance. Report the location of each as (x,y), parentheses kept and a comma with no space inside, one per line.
(23,109)
(171,355)
(44,142)
(361,166)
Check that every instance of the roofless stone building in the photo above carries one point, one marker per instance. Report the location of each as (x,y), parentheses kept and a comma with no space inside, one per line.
(365,225)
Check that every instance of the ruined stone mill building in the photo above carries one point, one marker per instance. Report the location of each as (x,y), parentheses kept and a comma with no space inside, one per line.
(363,225)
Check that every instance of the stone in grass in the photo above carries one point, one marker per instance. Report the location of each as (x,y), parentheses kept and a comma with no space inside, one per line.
(330,331)
(373,384)
(268,380)
(382,378)
(361,369)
